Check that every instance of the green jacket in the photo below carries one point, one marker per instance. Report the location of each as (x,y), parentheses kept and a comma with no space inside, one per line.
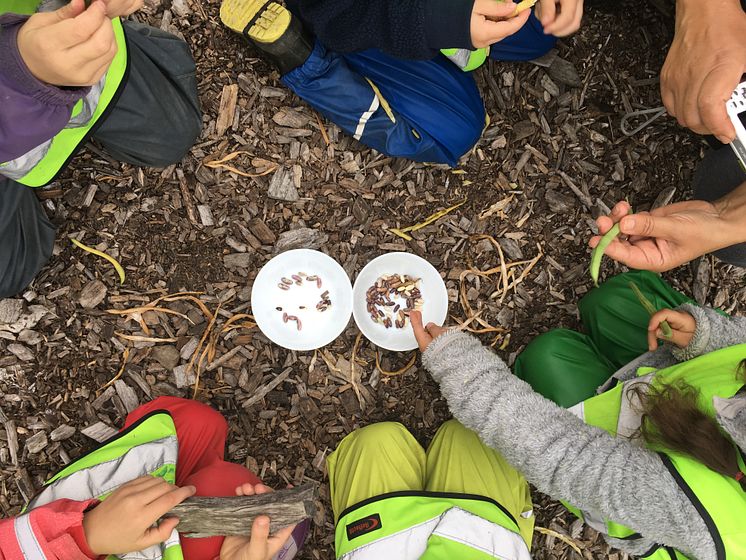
(41,164)
(465,59)
(719,499)
(428,526)
(147,447)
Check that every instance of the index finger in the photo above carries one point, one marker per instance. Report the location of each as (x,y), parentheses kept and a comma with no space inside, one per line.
(717,88)
(421,335)
(499,30)
(162,505)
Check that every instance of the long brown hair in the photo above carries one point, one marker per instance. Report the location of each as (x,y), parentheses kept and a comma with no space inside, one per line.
(672,419)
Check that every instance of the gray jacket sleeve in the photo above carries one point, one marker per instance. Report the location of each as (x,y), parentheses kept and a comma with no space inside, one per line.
(563,457)
(714,332)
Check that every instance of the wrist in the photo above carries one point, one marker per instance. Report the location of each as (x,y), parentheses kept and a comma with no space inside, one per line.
(15,71)
(731,210)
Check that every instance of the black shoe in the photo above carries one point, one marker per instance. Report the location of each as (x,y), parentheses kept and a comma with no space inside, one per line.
(271,28)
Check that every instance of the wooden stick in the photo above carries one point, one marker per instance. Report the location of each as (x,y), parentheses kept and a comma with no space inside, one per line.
(207,517)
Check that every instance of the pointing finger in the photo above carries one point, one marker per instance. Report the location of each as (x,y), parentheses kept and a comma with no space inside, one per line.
(421,335)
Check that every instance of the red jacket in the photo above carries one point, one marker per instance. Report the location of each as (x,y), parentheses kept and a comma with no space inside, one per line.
(50,532)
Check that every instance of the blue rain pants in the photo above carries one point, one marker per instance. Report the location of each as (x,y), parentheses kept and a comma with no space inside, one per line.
(427,110)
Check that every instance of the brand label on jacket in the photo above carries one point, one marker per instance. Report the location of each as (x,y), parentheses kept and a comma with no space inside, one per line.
(364,526)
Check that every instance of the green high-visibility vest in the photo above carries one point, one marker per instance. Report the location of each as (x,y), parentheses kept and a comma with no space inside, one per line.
(42,164)
(466,59)
(428,526)
(147,447)
(720,500)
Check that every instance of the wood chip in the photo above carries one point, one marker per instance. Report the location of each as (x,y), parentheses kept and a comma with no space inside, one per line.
(99,432)
(227,110)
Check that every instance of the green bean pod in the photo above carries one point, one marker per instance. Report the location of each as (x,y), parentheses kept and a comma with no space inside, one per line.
(598,253)
(650,308)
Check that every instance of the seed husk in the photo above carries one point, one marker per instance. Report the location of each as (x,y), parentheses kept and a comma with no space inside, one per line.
(382,296)
(287,281)
(283,287)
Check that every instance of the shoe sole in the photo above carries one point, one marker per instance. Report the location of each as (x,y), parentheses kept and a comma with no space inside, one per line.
(261,21)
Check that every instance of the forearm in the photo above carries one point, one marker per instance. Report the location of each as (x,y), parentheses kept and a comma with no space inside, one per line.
(32,112)
(611,478)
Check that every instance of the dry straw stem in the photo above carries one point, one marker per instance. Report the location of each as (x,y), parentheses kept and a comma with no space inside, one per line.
(125,357)
(410,363)
(139,338)
(429,220)
(506,282)
(220,164)
(564,538)
(206,349)
(322,128)
(353,377)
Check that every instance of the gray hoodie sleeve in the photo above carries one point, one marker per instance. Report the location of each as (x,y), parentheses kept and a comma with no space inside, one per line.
(558,453)
(714,332)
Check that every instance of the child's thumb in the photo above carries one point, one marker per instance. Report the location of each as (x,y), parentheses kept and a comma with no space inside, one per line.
(71,10)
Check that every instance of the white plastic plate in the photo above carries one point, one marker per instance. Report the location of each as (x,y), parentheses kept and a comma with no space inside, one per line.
(432,287)
(317,328)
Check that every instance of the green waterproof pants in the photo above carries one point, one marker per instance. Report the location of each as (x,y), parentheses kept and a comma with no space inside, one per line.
(567,366)
(385,457)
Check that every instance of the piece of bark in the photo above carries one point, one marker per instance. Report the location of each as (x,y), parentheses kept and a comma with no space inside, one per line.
(37,442)
(127,394)
(261,231)
(205,517)
(99,432)
(62,432)
(12,436)
(92,294)
(302,238)
(262,391)
(186,195)
(281,186)
(227,110)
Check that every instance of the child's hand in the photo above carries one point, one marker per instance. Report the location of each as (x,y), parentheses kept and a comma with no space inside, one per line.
(72,46)
(424,335)
(682,324)
(122,8)
(492,21)
(260,546)
(124,522)
(560,17)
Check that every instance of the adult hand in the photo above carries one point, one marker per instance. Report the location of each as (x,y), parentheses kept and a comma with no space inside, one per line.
(682,325)
(122,8)
(492,21)
(704,65)
(260,546)
(124,522)
(560,17)
(666,237)
(72,46)
(424,335)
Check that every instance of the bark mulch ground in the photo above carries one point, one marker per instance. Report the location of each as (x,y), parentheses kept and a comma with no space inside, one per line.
(269,174)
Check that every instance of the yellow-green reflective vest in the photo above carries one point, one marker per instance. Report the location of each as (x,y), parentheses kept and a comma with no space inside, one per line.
(147,447)
(428,526)
(719,500)
(466,59)
(42,164)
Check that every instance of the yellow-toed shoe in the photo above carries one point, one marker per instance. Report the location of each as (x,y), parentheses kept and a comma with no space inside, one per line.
(271,28)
